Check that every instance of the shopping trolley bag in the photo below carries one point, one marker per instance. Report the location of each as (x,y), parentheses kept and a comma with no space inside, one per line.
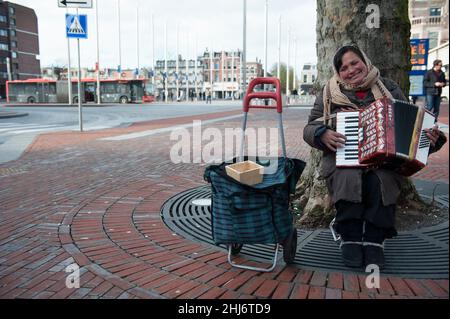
(258,214)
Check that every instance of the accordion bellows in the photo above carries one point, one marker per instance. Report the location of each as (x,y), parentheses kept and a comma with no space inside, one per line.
(388,133)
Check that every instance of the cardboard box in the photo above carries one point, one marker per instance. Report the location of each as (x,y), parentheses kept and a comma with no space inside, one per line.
(248,172)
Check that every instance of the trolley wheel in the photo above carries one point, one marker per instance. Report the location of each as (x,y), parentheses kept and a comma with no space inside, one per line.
(236,249)
(75,100)
(290,247)
(31,100)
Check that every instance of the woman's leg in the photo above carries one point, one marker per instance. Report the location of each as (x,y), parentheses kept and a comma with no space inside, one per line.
(379,221)
(349,225)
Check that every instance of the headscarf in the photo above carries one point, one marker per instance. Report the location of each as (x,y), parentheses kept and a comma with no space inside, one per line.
(333,93)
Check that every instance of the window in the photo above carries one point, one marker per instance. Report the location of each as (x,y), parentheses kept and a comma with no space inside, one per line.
(13,33)
(3,18)
(434,37)
(3,33)
(14,55)
(305,78)
(4,47)
(12,21)
(52,88)
(108,88)
(12,10)
(435,12)
(14,44)
(122,88)
(15,66)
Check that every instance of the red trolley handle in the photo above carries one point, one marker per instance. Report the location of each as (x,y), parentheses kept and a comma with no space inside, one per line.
(263,95)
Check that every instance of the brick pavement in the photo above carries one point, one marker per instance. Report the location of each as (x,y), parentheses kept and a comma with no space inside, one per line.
(72,198)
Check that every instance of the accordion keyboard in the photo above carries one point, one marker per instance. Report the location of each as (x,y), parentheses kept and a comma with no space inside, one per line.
(424,143)
(347,124)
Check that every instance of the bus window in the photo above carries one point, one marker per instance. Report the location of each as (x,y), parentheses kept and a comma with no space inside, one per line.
(52,88)
(30,89)
(13,89)
(108,88)
(122,88)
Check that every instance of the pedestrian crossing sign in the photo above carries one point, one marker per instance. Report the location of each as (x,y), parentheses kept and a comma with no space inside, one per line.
(76,26)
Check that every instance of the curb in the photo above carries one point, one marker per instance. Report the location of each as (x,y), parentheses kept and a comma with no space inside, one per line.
(11,115)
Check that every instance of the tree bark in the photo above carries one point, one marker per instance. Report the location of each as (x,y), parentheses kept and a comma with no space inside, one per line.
(354,22)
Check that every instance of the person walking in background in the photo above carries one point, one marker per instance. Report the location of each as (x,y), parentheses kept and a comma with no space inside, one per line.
(433,82)
(208,97)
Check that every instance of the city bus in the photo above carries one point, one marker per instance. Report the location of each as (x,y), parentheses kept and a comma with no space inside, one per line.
(52,91)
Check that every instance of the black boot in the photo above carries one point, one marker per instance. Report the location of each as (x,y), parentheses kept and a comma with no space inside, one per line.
(352,253)
(373,245)
(351,245)
(373,254)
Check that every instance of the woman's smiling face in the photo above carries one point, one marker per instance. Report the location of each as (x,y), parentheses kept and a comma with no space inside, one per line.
(353,70)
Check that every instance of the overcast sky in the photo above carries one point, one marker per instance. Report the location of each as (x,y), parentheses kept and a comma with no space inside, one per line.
(211,23)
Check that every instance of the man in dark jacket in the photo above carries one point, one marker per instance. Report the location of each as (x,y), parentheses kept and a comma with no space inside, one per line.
(433,82)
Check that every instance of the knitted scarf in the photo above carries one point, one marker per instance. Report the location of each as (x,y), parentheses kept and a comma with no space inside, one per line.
(333,93)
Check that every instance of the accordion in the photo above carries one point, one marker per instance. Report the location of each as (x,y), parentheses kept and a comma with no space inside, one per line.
(388,133)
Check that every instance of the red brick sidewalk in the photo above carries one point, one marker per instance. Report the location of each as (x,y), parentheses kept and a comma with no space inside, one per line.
(75,199)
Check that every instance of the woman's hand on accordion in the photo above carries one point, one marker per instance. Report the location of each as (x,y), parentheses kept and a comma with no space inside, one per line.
(333,140)
(433,135)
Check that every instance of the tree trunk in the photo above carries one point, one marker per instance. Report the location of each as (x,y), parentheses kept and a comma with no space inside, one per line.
(386,44)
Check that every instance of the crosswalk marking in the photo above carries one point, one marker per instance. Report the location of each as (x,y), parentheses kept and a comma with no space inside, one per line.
(17,128)
(10,128)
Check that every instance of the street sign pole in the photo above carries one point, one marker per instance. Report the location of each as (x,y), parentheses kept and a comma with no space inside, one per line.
(80,106)
(77,28)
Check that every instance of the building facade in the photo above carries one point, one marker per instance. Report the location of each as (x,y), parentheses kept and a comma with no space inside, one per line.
(188,82)
(254,70)
(429,20)
(215,73)
(307,78)
(19,44)
(222,73)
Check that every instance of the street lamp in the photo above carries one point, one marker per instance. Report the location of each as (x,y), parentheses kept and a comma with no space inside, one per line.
(265,38)
(244,50)
(137,42)
(279,49)
(119,69)
(166,93)
(98,55)
(288,64)
(69,70)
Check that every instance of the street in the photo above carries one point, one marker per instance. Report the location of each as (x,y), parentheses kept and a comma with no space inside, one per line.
(17,133)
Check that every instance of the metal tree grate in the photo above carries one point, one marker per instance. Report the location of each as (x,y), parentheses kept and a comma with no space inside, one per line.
(415,254)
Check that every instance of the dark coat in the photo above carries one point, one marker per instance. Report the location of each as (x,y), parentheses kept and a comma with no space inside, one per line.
(430,79)
(346,183)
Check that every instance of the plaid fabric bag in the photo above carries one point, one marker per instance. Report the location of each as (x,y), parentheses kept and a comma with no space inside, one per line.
(258,214)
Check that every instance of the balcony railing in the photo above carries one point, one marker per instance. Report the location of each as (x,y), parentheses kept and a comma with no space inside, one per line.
(431,20)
